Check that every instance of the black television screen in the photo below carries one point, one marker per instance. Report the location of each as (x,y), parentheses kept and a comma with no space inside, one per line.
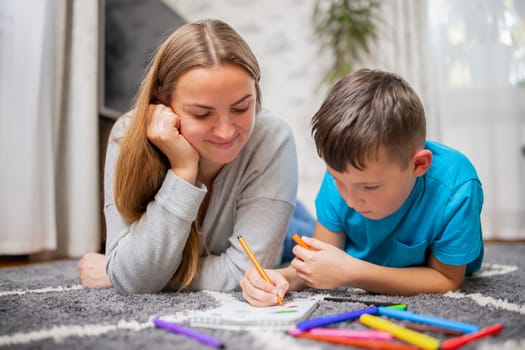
(132,32)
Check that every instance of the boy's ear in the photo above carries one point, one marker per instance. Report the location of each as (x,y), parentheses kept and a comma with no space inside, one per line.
(422,161)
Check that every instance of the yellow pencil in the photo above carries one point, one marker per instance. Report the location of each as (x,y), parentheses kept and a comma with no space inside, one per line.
(257,265)
(422,340)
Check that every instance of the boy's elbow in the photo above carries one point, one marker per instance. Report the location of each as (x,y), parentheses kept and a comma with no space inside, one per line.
(451,277)
(457,284)
(451,284)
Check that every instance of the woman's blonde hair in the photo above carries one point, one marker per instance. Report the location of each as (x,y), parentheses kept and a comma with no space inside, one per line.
(141,167)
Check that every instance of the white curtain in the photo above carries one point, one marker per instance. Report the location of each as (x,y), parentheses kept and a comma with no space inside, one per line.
(466,59)
(478,63)
(402,47)
(48,127)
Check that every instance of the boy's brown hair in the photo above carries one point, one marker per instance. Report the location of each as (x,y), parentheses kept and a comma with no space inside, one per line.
(365,112)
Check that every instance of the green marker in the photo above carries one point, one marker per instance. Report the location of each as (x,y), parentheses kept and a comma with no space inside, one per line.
(285,311)
(398,307)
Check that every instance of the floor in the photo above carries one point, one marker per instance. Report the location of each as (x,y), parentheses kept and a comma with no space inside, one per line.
(14,260)
(27,259)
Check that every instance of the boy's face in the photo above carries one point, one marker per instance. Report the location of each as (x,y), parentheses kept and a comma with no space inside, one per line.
(380,189)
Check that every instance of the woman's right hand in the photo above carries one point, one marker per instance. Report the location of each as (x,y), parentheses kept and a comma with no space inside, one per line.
(164,132)
(258,292)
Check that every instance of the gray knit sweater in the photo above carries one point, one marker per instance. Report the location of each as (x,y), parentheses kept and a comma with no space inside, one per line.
(254,196)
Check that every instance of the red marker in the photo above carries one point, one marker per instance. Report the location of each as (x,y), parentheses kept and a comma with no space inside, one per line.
(360,343)
(456,342)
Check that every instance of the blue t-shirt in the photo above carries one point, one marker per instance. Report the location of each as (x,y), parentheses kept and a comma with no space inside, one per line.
(441,216)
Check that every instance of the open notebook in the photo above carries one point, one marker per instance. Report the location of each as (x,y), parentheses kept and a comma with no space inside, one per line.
(238,315)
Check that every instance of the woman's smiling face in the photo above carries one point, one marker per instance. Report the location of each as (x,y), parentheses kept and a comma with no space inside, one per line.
(216,106)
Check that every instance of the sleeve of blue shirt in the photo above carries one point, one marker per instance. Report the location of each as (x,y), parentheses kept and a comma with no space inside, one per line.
(328,205)
(460,241)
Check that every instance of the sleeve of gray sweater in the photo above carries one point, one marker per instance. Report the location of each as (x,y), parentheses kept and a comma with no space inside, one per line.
(142,257)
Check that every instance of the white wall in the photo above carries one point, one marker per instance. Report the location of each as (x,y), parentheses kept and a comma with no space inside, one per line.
(279,33)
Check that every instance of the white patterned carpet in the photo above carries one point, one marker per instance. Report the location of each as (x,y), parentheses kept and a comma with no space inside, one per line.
(43,307)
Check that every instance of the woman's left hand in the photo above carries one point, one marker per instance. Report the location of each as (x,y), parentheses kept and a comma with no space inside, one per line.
(92,271)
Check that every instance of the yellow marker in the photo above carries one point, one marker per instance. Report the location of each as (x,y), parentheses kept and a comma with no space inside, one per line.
(422,340)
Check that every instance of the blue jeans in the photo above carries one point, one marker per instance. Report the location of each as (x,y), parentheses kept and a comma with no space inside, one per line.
(301,223)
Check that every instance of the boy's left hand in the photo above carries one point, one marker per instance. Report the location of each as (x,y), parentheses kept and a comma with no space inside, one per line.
(321,267)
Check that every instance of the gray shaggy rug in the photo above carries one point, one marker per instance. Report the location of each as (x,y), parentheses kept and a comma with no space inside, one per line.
(42,306)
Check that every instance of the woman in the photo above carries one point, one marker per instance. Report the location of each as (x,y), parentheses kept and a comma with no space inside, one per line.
(194,164)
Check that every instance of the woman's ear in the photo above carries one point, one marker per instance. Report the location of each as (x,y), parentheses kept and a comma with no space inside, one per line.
(422,161)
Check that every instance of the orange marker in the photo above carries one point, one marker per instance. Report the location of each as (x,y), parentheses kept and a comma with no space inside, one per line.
(257,265)
(299,241)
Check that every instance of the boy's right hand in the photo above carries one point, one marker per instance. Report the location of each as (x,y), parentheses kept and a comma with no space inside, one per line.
(164,132)
(258,292)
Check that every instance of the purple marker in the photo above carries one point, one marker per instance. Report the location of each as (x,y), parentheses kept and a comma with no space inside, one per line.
(176,328)
(326,320)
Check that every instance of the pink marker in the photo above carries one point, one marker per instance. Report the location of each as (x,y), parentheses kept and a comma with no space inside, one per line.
(346,333)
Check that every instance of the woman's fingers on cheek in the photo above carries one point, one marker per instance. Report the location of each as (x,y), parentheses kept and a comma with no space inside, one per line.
(152,109)
(166,117)
(155,122)
(176,121)
(158,115)
(158,112)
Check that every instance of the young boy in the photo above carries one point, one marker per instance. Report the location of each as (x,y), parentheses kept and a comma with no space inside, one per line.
(395,214)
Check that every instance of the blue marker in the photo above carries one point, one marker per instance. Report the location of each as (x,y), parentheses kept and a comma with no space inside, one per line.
(326,320)
(431,320)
